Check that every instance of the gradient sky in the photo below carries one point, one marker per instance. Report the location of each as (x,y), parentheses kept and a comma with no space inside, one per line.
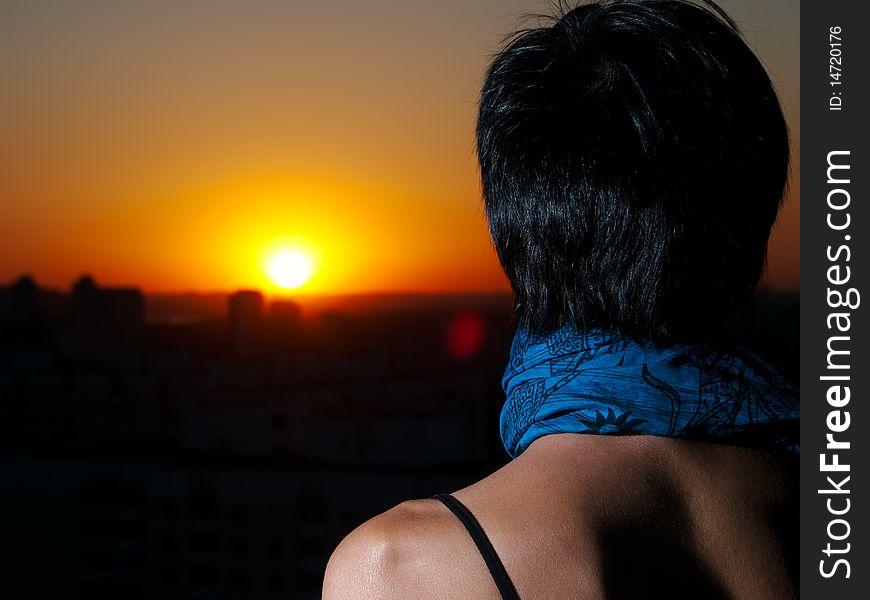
(169,144)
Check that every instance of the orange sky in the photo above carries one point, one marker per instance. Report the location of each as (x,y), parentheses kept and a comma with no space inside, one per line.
(167,144)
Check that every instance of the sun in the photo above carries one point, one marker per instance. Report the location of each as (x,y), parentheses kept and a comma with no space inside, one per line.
(290,268)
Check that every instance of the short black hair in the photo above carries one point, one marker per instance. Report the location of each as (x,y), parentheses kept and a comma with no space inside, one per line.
(633,159)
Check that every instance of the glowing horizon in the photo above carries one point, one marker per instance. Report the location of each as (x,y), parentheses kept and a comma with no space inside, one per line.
(170,166)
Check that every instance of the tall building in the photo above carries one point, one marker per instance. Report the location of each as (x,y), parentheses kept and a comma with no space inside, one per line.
(246,322)
(284,324)
(22,311)
(106,319)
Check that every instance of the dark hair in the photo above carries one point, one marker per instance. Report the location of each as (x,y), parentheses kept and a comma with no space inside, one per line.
(633,158)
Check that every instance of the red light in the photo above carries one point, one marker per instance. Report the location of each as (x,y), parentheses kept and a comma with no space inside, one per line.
(464,335)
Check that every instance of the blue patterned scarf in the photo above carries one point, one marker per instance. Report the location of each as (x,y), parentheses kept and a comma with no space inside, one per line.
(601,383)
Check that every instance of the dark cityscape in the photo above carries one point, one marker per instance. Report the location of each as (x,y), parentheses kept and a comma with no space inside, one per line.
(221,446)
(226,456)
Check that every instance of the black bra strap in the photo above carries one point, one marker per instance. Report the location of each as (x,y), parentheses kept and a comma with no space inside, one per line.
(493,562)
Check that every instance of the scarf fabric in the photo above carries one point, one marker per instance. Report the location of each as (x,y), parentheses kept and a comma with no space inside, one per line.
(597,382)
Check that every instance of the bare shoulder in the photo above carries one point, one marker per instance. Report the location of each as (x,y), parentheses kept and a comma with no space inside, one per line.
(570,516)
(403,553)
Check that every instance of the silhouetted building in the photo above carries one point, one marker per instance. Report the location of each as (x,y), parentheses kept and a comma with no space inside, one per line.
(22,302)
(118,312)
(23,319)
(284,324)
(246,322)
(105,321)
(85,301)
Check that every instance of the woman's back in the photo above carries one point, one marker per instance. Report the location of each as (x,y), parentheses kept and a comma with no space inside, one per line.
(581,516)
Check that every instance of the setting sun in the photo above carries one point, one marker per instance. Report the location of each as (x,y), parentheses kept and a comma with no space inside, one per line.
(290,268)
